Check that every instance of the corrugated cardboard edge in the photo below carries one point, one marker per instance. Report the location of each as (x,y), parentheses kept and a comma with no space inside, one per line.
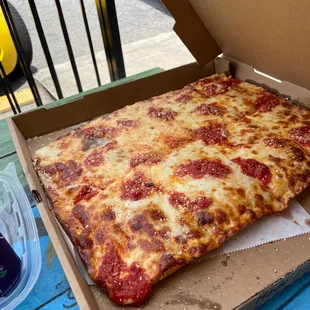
(80,288)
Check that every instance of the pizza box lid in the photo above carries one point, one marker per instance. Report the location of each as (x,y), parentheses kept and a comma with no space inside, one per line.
(272,36)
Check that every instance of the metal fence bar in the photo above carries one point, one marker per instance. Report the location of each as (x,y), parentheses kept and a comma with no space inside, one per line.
(18,46)
(7,86)
(3,86)
(6,92)
(90,43)
(111,38)
(45,47)
(68,45)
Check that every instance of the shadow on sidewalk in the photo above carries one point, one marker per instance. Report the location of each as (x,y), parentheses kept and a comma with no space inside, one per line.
(18,83)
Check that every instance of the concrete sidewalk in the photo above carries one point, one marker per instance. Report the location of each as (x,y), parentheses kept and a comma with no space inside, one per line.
(165,51)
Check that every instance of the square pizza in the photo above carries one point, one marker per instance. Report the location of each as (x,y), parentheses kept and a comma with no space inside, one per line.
(153,186)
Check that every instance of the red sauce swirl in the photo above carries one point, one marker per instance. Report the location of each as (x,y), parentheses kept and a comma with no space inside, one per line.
(254,168)
(197,169)
(85,193)
(301,135)
(266,102)
(210,109)
(146,158)
(94,159)
(213,134)
(124,282)
(136,188)
(163,114)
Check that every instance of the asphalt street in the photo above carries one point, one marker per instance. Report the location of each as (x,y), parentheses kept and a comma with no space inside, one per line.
(138,19)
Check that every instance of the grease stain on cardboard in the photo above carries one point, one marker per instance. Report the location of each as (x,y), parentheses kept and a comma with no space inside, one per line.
(191,300)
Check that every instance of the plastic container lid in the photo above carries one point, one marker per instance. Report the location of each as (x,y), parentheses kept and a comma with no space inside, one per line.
(17,224)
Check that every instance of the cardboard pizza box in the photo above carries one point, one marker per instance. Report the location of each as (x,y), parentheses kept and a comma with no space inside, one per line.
(270,36)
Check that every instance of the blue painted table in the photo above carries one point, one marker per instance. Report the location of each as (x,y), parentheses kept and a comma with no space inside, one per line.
(52,290)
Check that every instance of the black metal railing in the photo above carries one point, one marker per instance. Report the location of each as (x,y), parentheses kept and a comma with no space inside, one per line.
(90,42)
(111,40)
(45,47)
(7,89)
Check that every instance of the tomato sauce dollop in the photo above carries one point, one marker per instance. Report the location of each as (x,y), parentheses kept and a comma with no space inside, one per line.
(210,109)
(177,199)
(253,168)
(133,286)
(275,142)
(197,169)
(145,158)
(221,87)
(128,123)
(85,193)
(301,135)
(266,102)
(163,114)
(213,134)
(136,188)
(94,159)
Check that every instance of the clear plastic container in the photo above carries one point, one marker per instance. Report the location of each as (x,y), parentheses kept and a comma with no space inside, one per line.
(17,225)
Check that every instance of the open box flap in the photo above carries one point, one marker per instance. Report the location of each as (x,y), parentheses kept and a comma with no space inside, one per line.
(192,31)
(271,36)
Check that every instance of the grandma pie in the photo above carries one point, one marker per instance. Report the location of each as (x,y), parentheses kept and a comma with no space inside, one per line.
(151,187)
